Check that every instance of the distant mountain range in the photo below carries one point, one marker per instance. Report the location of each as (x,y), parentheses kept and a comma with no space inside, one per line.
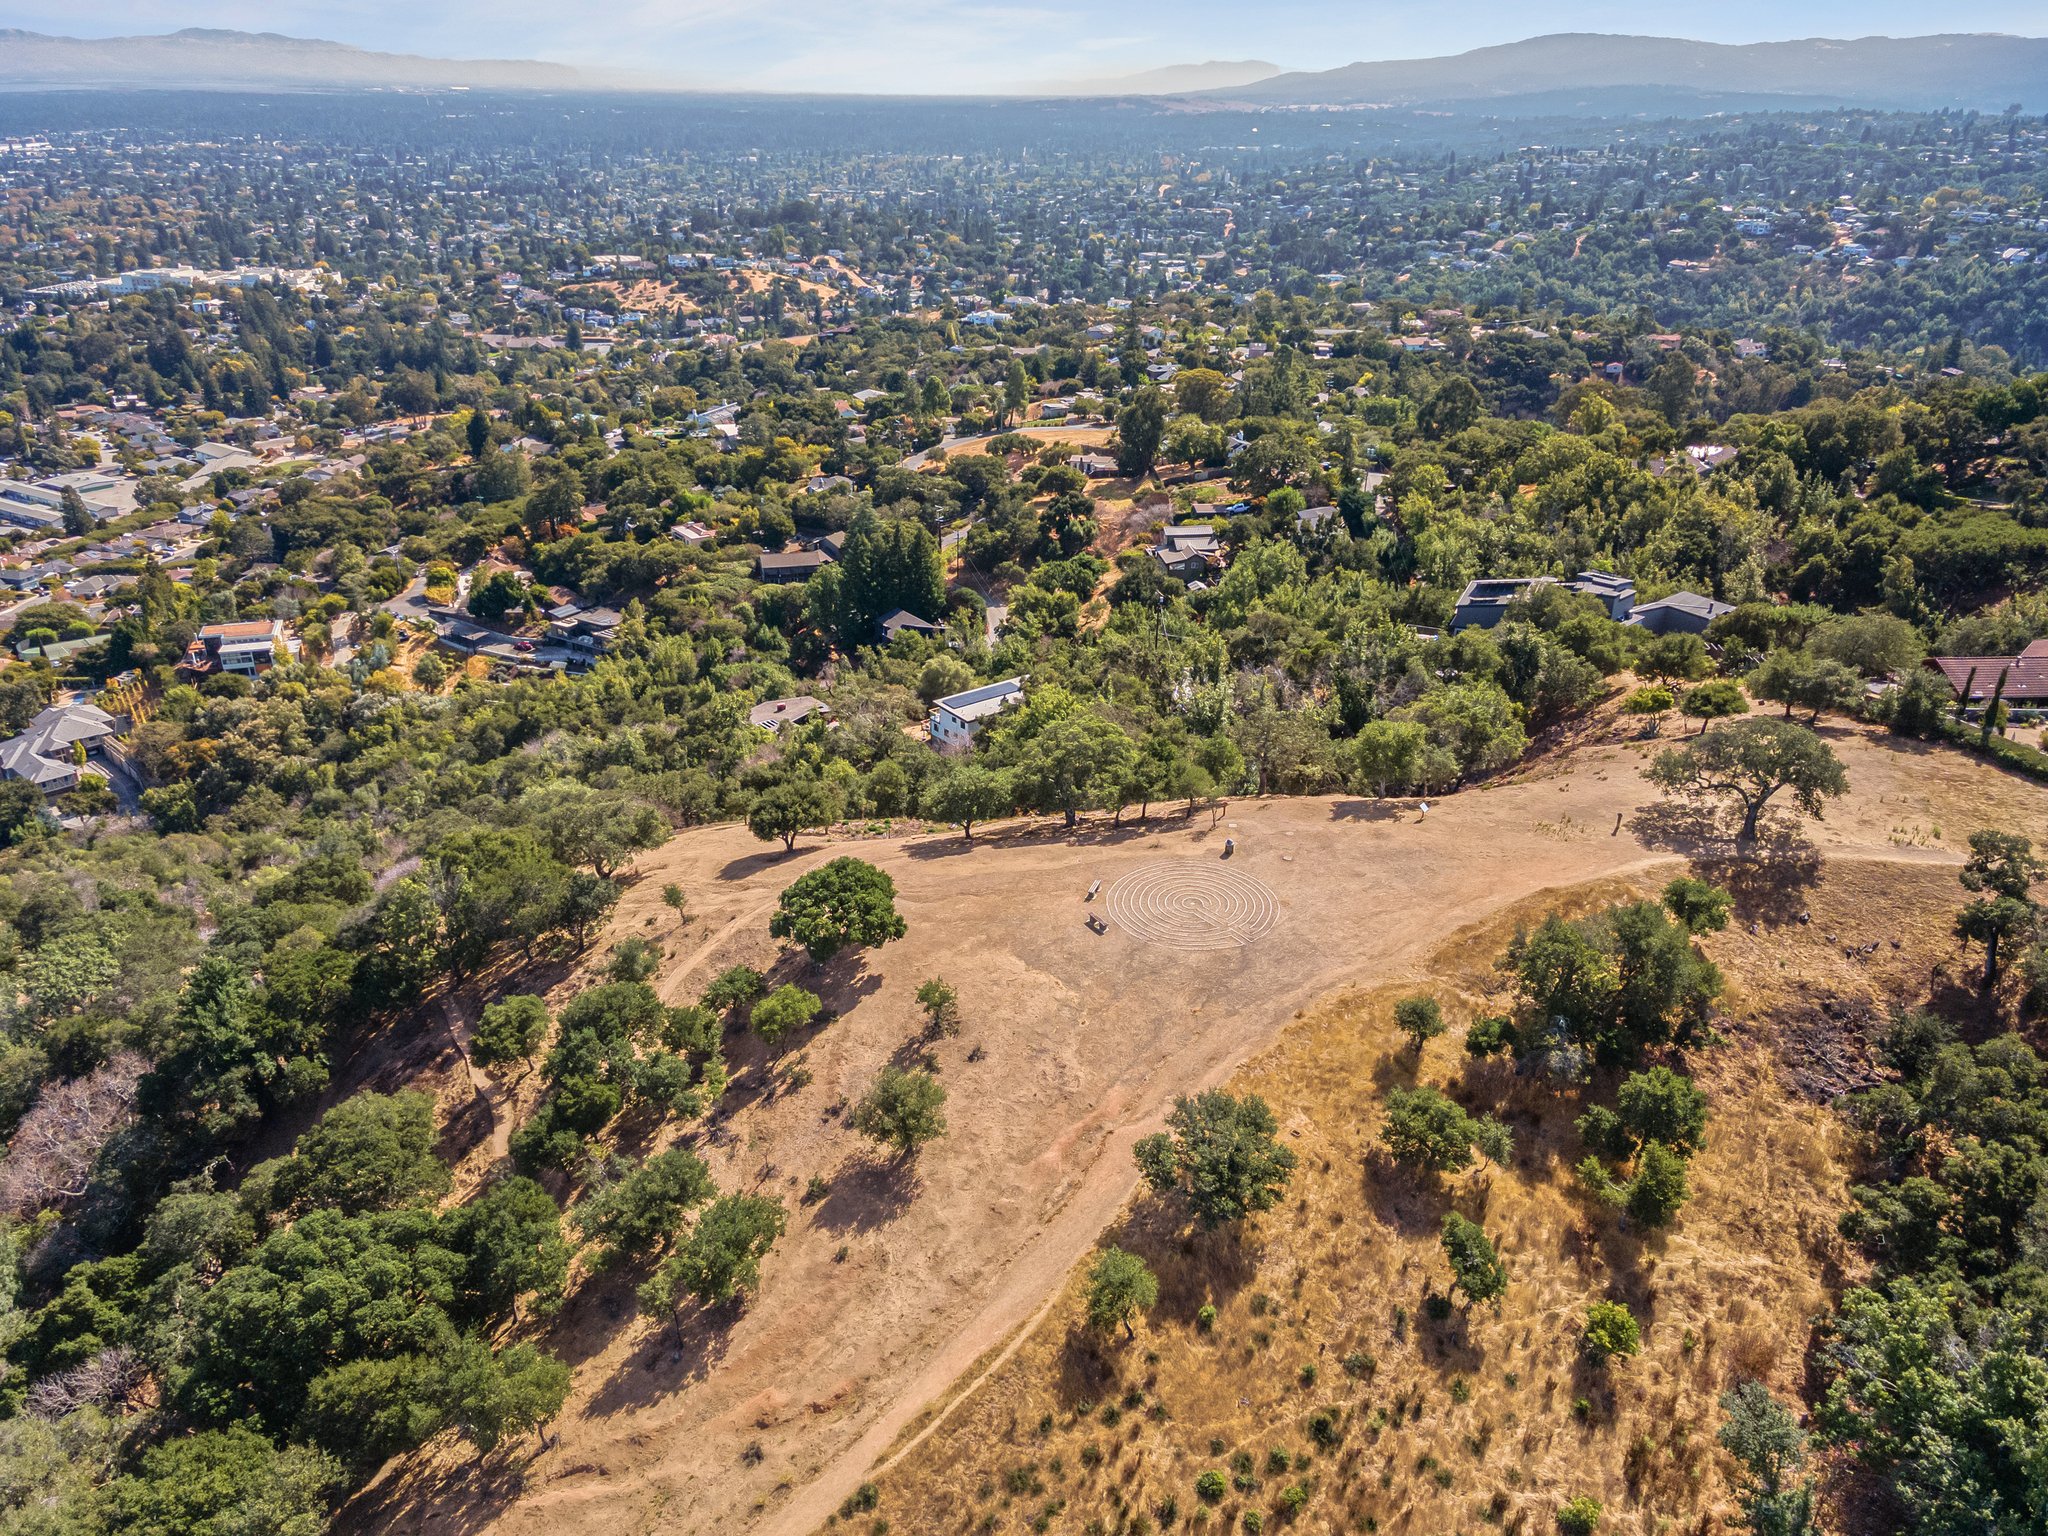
(1565,74)
(1969,70)
(202,58)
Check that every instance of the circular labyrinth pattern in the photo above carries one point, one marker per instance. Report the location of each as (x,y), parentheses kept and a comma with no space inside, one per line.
(1192,904)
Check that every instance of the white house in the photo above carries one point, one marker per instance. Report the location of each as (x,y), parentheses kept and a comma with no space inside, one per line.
(958,718)
(245,648)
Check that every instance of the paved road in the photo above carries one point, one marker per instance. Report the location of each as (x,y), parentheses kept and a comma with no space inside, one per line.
(122,780)
(412,602)
(7,614)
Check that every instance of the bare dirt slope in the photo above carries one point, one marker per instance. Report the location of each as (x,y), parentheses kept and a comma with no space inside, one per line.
(896,1282)
(1481,1417)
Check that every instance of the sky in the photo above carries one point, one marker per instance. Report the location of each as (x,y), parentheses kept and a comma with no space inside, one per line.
(939,46)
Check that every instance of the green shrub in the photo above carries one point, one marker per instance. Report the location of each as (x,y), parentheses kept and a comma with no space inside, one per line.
(1611,1332)
(1211,1486)
(1579,1516)
(787,1008)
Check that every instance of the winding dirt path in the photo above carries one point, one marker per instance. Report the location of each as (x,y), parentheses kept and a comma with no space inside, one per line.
(461,1029)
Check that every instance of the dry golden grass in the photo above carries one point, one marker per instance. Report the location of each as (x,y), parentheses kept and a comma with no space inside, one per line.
(1482,1419)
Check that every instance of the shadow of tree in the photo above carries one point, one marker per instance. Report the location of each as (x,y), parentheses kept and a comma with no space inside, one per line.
(753,863)
(1092,831)
(1194,1268)
(467,1127)
(1366,810)
(867,1194)
(1681,826)
(599,1306)
(452,1496)
(840,984)
(1396,1069)
(1705,832)
(1410,1200)
(1773,885)
(683,1350)
(916,1054)
(1446,1344)
(1086,1372)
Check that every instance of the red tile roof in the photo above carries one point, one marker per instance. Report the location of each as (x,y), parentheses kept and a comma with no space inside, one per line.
(2026,675)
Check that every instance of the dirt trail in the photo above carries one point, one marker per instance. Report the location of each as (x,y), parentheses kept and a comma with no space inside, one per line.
(461,1030)
(683,979)
(892,1286)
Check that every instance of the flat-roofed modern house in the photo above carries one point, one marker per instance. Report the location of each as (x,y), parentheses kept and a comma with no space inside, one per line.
(958,718)
(1484,602)
(1681,613)
(1617,594)
(244,648)
(778,714)
(586,633)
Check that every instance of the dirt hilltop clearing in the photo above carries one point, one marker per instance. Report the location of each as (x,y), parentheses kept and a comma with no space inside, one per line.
(1321,1361)
(900,1281)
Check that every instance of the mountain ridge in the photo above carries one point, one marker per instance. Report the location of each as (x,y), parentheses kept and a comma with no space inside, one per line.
(1958,69)
(217,58)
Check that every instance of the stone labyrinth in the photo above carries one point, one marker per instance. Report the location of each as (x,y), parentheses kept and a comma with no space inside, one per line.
(1192,904)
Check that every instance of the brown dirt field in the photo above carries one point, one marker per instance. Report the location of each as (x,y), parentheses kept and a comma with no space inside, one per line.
(1079,437)
(753,281)
(883,1294)
(650,295)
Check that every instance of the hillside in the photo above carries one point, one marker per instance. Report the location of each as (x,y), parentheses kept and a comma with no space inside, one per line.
(203,58)
(896,1285)
(1478,1418)
(1961,70)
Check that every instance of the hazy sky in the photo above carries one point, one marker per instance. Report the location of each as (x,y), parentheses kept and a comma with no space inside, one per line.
(941,45)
